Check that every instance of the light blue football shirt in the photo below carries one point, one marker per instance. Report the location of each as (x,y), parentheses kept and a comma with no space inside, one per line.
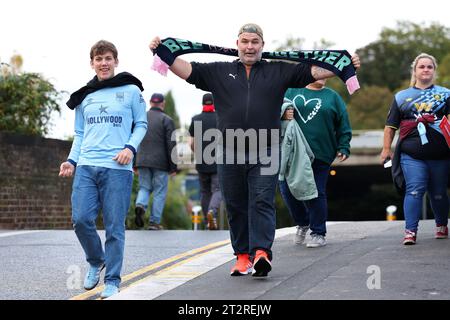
(106,121)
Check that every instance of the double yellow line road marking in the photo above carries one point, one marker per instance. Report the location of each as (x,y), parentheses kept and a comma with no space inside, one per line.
(155,269)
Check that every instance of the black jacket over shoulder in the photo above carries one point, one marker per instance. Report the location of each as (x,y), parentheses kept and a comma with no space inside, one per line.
(156,148)
(249,103)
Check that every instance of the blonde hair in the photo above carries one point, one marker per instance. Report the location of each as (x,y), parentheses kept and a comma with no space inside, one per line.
(414,65)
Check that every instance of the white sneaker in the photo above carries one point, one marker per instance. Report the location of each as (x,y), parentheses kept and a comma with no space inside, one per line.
(300,234)
(316,241)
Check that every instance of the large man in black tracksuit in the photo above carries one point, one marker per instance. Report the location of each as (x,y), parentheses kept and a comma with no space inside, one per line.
(248,94)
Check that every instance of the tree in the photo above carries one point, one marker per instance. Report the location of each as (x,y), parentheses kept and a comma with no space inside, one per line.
(175,217)
(368,107)
(290,44)
(387,61)
(444,71)
(295,44)
(170,109)
(27,100)
(337,85)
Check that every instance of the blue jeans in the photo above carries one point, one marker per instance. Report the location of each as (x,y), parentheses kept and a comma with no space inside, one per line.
(96,188)
(421,176)
(249,198)
(156,181)
(312,212)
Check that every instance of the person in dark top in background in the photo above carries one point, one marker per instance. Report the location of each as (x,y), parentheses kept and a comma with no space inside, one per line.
(210,196)
(154,163)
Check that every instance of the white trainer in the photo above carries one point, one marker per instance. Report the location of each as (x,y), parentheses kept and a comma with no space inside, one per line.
(300,234)
(316,241)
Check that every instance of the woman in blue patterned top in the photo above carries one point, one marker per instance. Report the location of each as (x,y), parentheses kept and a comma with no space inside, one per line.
(422,151)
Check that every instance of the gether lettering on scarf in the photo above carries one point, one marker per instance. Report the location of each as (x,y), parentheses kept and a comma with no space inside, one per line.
(337,61)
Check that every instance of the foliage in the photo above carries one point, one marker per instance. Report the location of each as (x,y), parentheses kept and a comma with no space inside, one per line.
(283,217)
(175,215)
(27,100)
(295,44)
(368,107)
(337,85)
(387,61)
(444,71)
(386,68)
(170,109)
(290,44)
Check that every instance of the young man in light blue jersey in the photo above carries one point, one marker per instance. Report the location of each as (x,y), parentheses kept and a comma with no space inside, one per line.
(110,122)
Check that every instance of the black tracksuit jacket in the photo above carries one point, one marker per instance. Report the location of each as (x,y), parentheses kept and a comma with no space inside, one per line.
(249,103)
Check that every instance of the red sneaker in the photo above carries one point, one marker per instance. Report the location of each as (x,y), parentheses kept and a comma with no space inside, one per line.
(243,265)
(410,237)
(262,265)
(441,232)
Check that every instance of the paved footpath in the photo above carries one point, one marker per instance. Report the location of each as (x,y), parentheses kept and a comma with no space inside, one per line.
(362,260)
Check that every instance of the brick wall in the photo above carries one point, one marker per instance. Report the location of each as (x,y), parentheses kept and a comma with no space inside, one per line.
(32,196)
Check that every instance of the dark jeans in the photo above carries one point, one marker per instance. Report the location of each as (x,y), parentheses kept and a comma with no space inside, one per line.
(250,202)
(209,192)
(311,212)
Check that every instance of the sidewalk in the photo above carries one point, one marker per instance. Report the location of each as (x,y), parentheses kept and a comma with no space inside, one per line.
(362,260)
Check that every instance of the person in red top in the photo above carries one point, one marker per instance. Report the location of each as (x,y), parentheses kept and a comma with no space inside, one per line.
(210,196)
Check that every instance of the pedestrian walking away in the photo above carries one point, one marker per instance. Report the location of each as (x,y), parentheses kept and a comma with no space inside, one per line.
(154,164)
(210,195)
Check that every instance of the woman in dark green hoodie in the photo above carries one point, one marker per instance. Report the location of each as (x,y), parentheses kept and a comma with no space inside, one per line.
(324,122)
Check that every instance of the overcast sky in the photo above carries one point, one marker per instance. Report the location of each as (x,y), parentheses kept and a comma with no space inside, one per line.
(54,37)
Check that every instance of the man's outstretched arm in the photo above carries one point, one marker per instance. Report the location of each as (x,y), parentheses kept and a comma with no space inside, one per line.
(180,67)
(320,73)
